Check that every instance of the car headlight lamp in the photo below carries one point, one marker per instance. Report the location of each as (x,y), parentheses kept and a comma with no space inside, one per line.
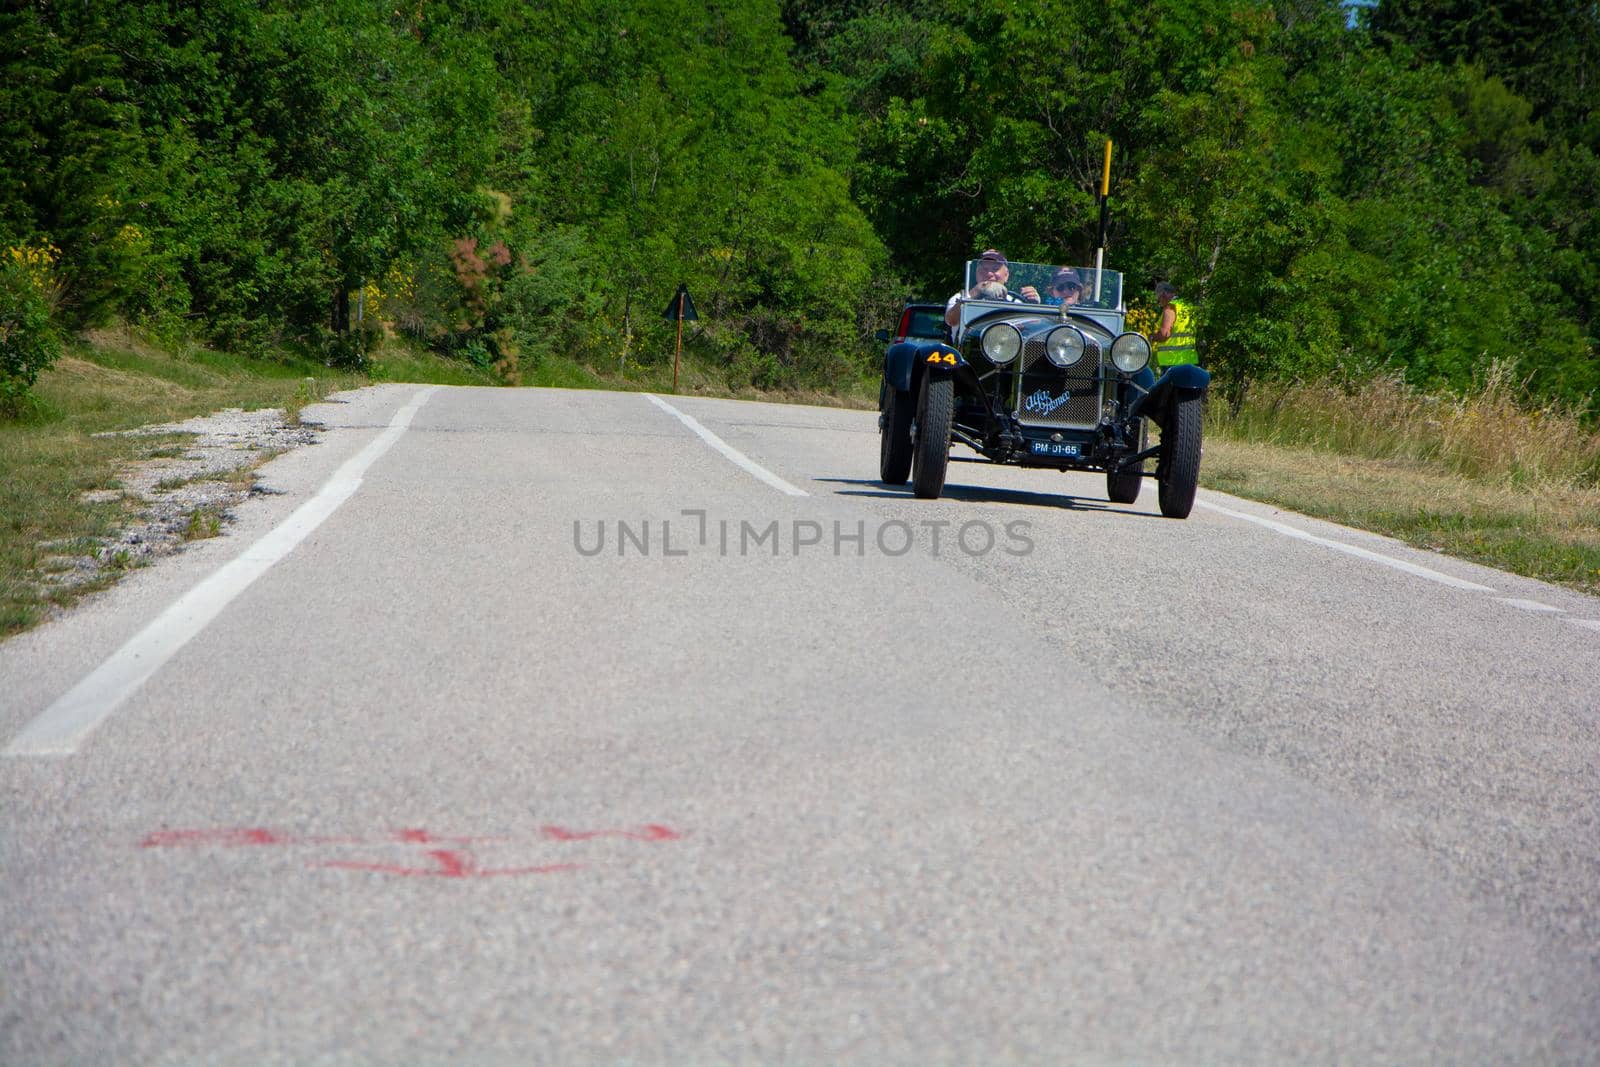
(1130,353)
(1001,343)
(1064,346)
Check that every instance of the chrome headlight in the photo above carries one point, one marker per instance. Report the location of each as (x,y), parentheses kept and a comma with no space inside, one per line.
(1064,346)
(1131,353)
(1001,343)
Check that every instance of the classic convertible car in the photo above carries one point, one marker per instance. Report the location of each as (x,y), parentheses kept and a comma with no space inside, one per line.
(1032,384)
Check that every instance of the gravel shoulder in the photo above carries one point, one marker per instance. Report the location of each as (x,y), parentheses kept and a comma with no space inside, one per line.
(180,494)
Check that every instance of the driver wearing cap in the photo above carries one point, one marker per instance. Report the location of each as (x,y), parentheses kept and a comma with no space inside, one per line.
(993,270)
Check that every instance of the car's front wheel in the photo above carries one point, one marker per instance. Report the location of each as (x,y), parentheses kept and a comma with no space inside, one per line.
(931,441)
(1122,486)
(1180,458)
(894,446)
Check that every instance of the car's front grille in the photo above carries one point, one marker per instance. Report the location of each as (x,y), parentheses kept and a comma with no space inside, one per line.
(1051,397)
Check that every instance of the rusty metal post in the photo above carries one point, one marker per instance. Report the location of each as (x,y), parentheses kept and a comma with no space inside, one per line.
(677,350)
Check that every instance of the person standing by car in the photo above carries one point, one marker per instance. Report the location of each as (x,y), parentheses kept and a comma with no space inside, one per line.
(1065,288)
(1173,338)
(993,268)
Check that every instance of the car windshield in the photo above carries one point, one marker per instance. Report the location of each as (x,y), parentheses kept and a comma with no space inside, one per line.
(922,322)
(1045,283)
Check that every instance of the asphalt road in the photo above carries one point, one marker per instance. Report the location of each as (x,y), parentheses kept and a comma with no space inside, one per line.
(540,729)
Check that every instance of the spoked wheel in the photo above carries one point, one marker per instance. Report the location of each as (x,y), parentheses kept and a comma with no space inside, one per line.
(930,448)
(1180,459)
(894,446)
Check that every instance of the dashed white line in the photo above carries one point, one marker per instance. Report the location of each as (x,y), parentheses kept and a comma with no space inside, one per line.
(1587,624)
(1530,605)
(738,458)
(1339,546)
(62,727)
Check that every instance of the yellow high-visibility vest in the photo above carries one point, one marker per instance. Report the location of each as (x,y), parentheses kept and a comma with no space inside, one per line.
(1179,348)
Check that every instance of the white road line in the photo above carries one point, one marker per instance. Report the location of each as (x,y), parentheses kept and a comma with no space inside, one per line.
(1587,624)
(738,458)
(1530,605)
(62,727)
(1339,546)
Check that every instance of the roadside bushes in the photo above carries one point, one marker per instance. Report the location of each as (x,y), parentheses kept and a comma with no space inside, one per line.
(29,342)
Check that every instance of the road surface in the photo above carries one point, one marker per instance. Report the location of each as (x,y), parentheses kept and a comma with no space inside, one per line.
(537,726)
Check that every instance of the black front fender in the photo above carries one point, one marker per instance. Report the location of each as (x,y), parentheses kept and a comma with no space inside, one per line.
(901,361)
(1184,380)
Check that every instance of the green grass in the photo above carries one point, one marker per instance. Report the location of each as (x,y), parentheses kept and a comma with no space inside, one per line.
(559,373)
(401,363)
(203,522)
(695,378)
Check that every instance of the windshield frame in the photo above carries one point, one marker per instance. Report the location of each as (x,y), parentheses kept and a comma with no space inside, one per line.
(1037,275)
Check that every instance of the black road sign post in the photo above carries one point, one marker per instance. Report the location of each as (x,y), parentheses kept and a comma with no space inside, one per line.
(682,307)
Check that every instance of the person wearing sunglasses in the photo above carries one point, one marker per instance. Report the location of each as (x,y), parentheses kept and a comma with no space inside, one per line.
(1065,288)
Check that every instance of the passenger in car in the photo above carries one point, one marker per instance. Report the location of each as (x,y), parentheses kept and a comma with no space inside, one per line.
(1065,288)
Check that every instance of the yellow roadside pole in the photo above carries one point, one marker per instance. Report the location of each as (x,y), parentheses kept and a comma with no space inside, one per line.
(1105,216)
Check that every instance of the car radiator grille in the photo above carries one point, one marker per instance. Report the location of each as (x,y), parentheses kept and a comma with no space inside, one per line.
(1050,397)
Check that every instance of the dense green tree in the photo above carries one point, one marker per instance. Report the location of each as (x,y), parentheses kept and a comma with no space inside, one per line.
(1415,192)
(1335,206)
(69,151)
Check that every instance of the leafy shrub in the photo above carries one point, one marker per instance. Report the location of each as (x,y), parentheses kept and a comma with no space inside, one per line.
(29,342)
(477,353)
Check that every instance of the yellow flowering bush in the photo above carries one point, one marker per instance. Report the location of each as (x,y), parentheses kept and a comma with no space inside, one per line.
(29,290)
(1142,319)
(37,263)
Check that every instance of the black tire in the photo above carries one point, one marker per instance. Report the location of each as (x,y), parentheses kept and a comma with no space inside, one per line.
(1180,458)
(930,453)
(1123,487)
(894,448)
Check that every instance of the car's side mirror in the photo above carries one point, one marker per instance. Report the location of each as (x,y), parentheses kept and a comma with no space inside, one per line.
(881,336)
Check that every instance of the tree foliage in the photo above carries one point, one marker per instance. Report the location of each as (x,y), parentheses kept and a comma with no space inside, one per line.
(1414,190)
(1415,194)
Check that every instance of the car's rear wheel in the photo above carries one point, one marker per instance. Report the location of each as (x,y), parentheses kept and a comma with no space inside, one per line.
(931,441)
(1180,458)
(894,446)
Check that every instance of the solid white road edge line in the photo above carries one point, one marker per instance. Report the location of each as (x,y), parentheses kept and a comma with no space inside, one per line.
(62,727)
(1339,546)
(733,454)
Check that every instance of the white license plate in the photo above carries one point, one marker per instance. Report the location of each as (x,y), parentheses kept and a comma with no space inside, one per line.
(1052,448)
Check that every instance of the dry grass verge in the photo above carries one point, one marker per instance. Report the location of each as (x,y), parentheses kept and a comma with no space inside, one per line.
(1491,435)
(1481,477)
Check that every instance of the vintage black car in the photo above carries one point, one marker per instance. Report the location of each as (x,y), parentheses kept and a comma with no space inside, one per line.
(1034,384)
